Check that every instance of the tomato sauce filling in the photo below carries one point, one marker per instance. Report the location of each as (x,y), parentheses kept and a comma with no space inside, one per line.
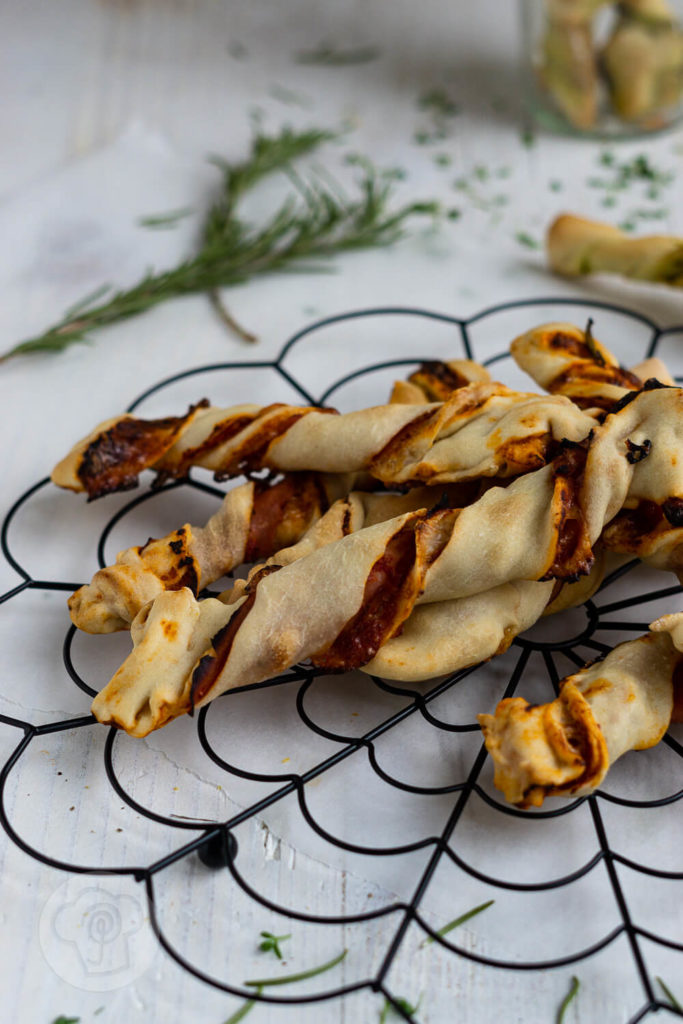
(385,605)
(282,512)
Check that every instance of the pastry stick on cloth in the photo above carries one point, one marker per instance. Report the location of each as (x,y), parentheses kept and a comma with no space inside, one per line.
(339,604)
(566,747)
(578,246)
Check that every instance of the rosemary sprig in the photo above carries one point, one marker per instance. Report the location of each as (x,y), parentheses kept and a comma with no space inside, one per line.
(314,223)
(571,994)
(458,921)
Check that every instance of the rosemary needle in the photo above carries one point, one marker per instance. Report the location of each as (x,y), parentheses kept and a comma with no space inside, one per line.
(243,1010)
(310,225)
(458,921)
(573,989)
(289,979)
(670,996)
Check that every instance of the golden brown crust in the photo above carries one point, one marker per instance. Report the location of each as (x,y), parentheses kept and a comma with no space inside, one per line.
(566,747)
(464,437)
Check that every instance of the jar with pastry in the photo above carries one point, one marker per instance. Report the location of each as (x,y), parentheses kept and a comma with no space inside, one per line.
(604,69)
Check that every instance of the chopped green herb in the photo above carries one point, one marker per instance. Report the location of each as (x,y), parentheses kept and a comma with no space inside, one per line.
(571,994)
(443,160)
(609,201)
(627,225)
(313,223)
(328,55)
(624,175)
(100,1009)
(454,213)
(237,50)
(554,185)
(481,173)
(528,138)
(526,239)
(503,172)
(458,921)
(656,214)
(438,101)
(66,1020)
(289,979)
(165,220)
(389,1008)
(440,109)
(243,1010)
(670,996)
(289,96)
(272,942)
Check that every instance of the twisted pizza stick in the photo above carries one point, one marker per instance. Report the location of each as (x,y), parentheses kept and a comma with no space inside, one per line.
(254,520)
(435,381)
(566,747)
(578,246)
(634,478)
(441,556)
(339,604)
(643,62)
(566,360)
(443,637)
(568,61)
(483,429)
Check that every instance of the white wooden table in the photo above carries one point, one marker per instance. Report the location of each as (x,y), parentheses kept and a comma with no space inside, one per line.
(110,107)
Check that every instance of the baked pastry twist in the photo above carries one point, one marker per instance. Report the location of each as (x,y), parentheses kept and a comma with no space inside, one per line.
(483,429)
(566,360)
(577,246)
(566,747)
(340,603)
(254,520)
(636,478)
(343,602)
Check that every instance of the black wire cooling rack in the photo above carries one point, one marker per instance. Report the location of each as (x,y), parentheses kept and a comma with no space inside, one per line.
(341,352)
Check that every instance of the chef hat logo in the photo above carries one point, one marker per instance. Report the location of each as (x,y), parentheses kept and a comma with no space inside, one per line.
(100,925)
(94,937)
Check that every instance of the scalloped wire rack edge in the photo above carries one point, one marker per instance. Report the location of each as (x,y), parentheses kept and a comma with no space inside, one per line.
(218,842)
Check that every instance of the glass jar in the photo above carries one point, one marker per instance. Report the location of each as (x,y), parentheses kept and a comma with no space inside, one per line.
(604,69)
